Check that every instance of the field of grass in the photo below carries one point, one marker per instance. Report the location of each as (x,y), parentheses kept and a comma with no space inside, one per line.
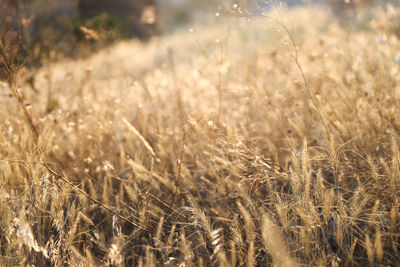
(260,141)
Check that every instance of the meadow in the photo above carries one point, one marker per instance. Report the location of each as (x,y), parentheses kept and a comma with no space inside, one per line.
(258,140)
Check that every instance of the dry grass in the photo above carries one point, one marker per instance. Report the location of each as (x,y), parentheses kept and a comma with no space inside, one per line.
(192,151)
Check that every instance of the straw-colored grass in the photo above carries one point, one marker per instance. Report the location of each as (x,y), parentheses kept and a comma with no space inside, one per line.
(214,147)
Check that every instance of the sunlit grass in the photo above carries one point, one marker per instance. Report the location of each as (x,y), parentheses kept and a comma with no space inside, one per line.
(209,147)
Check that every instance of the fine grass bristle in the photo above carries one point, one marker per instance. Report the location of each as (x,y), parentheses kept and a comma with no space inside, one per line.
(275,244)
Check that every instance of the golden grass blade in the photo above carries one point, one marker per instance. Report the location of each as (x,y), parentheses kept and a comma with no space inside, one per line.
(141,138)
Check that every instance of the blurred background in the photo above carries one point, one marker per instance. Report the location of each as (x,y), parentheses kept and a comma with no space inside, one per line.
(53,29)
